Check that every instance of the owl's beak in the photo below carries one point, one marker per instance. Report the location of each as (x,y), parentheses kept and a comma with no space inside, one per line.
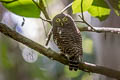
(61,23)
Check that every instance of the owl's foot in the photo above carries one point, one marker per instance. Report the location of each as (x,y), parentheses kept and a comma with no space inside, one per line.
(71,68)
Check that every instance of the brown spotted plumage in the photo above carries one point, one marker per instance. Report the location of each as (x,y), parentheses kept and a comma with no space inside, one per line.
(68,39)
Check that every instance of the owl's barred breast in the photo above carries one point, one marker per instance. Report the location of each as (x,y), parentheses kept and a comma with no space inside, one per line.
(68,41)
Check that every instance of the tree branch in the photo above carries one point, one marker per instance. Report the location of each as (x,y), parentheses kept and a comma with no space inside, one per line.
(101,29)
(55,56)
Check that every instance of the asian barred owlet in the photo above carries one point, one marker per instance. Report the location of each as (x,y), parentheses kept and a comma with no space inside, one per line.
(68,39)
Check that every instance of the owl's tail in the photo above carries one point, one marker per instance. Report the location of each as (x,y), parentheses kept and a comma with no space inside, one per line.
(74,63)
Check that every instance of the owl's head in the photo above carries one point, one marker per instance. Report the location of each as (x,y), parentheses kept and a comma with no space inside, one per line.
(62,20)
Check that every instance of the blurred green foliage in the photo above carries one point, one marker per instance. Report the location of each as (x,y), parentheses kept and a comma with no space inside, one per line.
(87,45)
(99,9)
(71,74)
(4,59)
(87,76)
(76,6)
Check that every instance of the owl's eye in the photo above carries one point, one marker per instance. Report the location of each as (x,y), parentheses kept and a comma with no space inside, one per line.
(58,20)
(65,19)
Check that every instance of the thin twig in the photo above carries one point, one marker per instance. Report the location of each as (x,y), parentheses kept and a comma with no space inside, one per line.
(82,11)
(101,30)
(87,23)
(23,22)
(47,7)
(49,36)
(78,21)
(66,7)
(46,20)
(55,56)
(41,9)
(83,16)
(36,4)
(46,16)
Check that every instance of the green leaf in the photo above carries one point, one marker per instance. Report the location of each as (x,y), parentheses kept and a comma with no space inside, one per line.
(99,9)
(76,6)
(71,74)
(24,8)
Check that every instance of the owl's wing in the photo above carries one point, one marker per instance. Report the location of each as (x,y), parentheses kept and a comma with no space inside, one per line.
(76,37)
(56,34)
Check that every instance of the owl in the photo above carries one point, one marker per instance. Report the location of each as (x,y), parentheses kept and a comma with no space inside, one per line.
(68,39)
